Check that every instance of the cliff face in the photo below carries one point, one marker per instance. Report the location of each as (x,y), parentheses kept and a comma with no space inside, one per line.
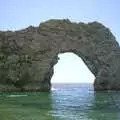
(27,57)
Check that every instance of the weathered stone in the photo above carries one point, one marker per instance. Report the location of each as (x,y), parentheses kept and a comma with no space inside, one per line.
(27,57)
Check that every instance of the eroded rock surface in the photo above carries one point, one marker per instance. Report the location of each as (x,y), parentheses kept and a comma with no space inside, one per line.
(27,57)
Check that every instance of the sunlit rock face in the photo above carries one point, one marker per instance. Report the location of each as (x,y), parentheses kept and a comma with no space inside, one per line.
(27,57)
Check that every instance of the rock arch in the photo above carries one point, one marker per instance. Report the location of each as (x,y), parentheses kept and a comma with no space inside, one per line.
(27,57)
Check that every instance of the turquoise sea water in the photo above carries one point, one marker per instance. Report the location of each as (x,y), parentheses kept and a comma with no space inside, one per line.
(64,102)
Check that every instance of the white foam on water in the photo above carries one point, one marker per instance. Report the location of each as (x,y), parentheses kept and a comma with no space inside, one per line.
(53,89)
(17,95)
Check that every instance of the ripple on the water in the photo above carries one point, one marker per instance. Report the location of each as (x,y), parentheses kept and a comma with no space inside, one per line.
(17,95)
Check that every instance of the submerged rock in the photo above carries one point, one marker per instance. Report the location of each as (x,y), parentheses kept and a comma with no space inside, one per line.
(27,56)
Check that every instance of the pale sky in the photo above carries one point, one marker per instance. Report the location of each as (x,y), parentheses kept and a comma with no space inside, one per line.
(18,14)
(71,68)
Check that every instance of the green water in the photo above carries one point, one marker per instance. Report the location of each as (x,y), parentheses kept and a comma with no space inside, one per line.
(66,102)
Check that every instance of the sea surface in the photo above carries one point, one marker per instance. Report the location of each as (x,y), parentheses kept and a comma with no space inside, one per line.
(64,102)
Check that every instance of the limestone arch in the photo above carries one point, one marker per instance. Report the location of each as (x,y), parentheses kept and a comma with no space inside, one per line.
(27,57)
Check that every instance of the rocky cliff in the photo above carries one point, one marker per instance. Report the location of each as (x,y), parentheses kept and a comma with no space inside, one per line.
(27,56)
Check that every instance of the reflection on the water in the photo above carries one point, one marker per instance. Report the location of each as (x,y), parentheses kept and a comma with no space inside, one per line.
(66,102)
(105,106)
(33,106)
(70,103)
(85,104)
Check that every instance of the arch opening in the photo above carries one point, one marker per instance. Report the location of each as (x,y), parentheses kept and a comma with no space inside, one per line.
(71,69)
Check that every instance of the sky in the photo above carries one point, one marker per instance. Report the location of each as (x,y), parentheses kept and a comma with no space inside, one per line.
(18,14)
(72,69)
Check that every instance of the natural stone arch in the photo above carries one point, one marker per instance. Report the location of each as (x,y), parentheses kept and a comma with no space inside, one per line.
(27,57)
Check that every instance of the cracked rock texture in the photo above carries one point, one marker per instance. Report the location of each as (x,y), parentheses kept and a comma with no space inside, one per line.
(27,56)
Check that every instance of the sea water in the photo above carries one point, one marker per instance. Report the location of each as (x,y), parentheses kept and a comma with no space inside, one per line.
(64,102)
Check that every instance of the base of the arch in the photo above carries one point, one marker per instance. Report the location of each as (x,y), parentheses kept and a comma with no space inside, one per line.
(101,85)
(43,88)
(27,88)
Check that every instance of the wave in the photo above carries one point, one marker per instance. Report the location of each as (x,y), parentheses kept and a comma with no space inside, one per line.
(17,95)
(53,89)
